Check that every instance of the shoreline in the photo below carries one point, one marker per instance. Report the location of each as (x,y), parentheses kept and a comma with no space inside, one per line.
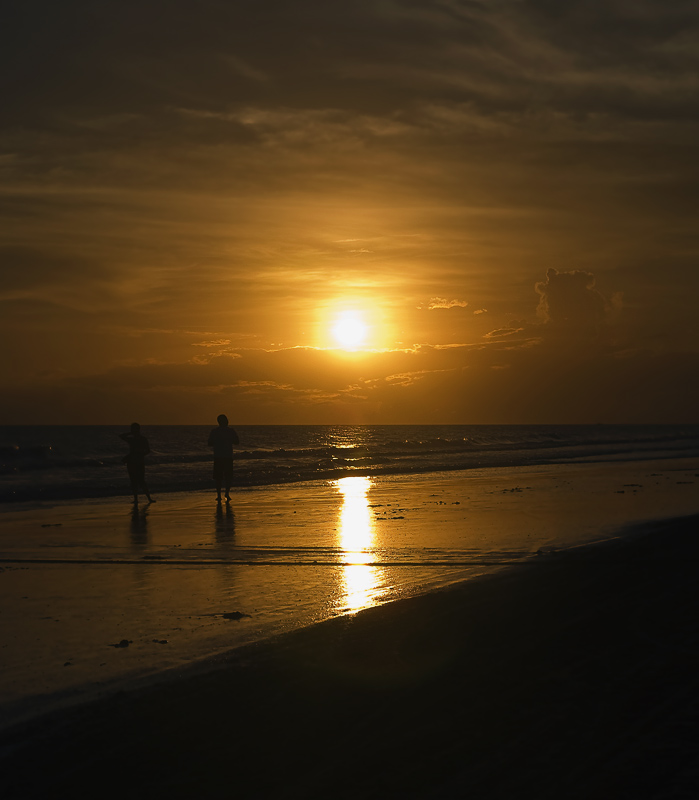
(578,673)
(85,495)
(185,580)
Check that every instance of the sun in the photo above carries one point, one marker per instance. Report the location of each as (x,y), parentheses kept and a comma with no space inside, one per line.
(350,330)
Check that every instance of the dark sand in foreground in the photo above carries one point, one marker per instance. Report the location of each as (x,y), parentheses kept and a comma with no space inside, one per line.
(573,676)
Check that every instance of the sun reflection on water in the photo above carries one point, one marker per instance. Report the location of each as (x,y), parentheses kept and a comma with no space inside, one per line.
(362,582)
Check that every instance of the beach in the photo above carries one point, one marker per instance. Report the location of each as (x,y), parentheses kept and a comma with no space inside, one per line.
(519,632)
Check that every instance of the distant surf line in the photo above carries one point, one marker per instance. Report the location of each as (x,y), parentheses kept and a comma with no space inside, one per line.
(266,563)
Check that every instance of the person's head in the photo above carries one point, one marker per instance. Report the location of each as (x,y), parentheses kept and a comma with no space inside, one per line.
(135,427)
(222,420)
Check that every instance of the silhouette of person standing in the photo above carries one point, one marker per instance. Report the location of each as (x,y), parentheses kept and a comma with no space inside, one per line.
(136,460)
(222,440)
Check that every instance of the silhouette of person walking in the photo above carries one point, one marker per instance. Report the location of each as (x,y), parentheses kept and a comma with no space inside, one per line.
(222,440)
(135,460)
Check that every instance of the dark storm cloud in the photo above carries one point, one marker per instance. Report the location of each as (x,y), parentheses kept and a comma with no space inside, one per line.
(570,299)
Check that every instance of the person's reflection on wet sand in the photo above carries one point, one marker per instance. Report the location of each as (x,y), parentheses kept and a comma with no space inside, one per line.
(139,527)
(224,528)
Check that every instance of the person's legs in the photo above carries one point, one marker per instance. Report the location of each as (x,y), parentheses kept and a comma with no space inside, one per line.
(146,492)
(133,477)
(217,478)
(228,476)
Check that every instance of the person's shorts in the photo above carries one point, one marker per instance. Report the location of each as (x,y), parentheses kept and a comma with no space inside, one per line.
(223,470)
(137,471)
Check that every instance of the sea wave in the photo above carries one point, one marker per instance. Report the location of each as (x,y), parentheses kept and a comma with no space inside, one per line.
(61,462)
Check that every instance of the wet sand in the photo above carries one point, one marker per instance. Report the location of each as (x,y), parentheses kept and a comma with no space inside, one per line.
(575,677)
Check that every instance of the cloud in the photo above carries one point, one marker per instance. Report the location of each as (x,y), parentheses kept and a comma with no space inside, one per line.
(441,302)
(503,333)
(500,379)
(570,300)
(214,343)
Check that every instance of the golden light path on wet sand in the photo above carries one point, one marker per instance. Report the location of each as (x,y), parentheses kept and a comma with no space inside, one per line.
(356,538)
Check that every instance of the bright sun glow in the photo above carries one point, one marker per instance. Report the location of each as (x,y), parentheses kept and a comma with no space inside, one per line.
(349,330)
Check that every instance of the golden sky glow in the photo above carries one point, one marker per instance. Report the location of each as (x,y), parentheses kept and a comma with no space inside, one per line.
(503,194)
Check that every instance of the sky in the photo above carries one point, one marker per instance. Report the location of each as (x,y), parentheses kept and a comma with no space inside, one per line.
(497,199)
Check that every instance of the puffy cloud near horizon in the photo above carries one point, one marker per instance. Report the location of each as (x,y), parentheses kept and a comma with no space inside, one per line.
(569,300)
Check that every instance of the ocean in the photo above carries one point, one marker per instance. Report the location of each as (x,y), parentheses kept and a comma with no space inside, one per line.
(73,462)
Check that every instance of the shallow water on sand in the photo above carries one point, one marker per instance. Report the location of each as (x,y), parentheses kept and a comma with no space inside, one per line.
(184,578)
